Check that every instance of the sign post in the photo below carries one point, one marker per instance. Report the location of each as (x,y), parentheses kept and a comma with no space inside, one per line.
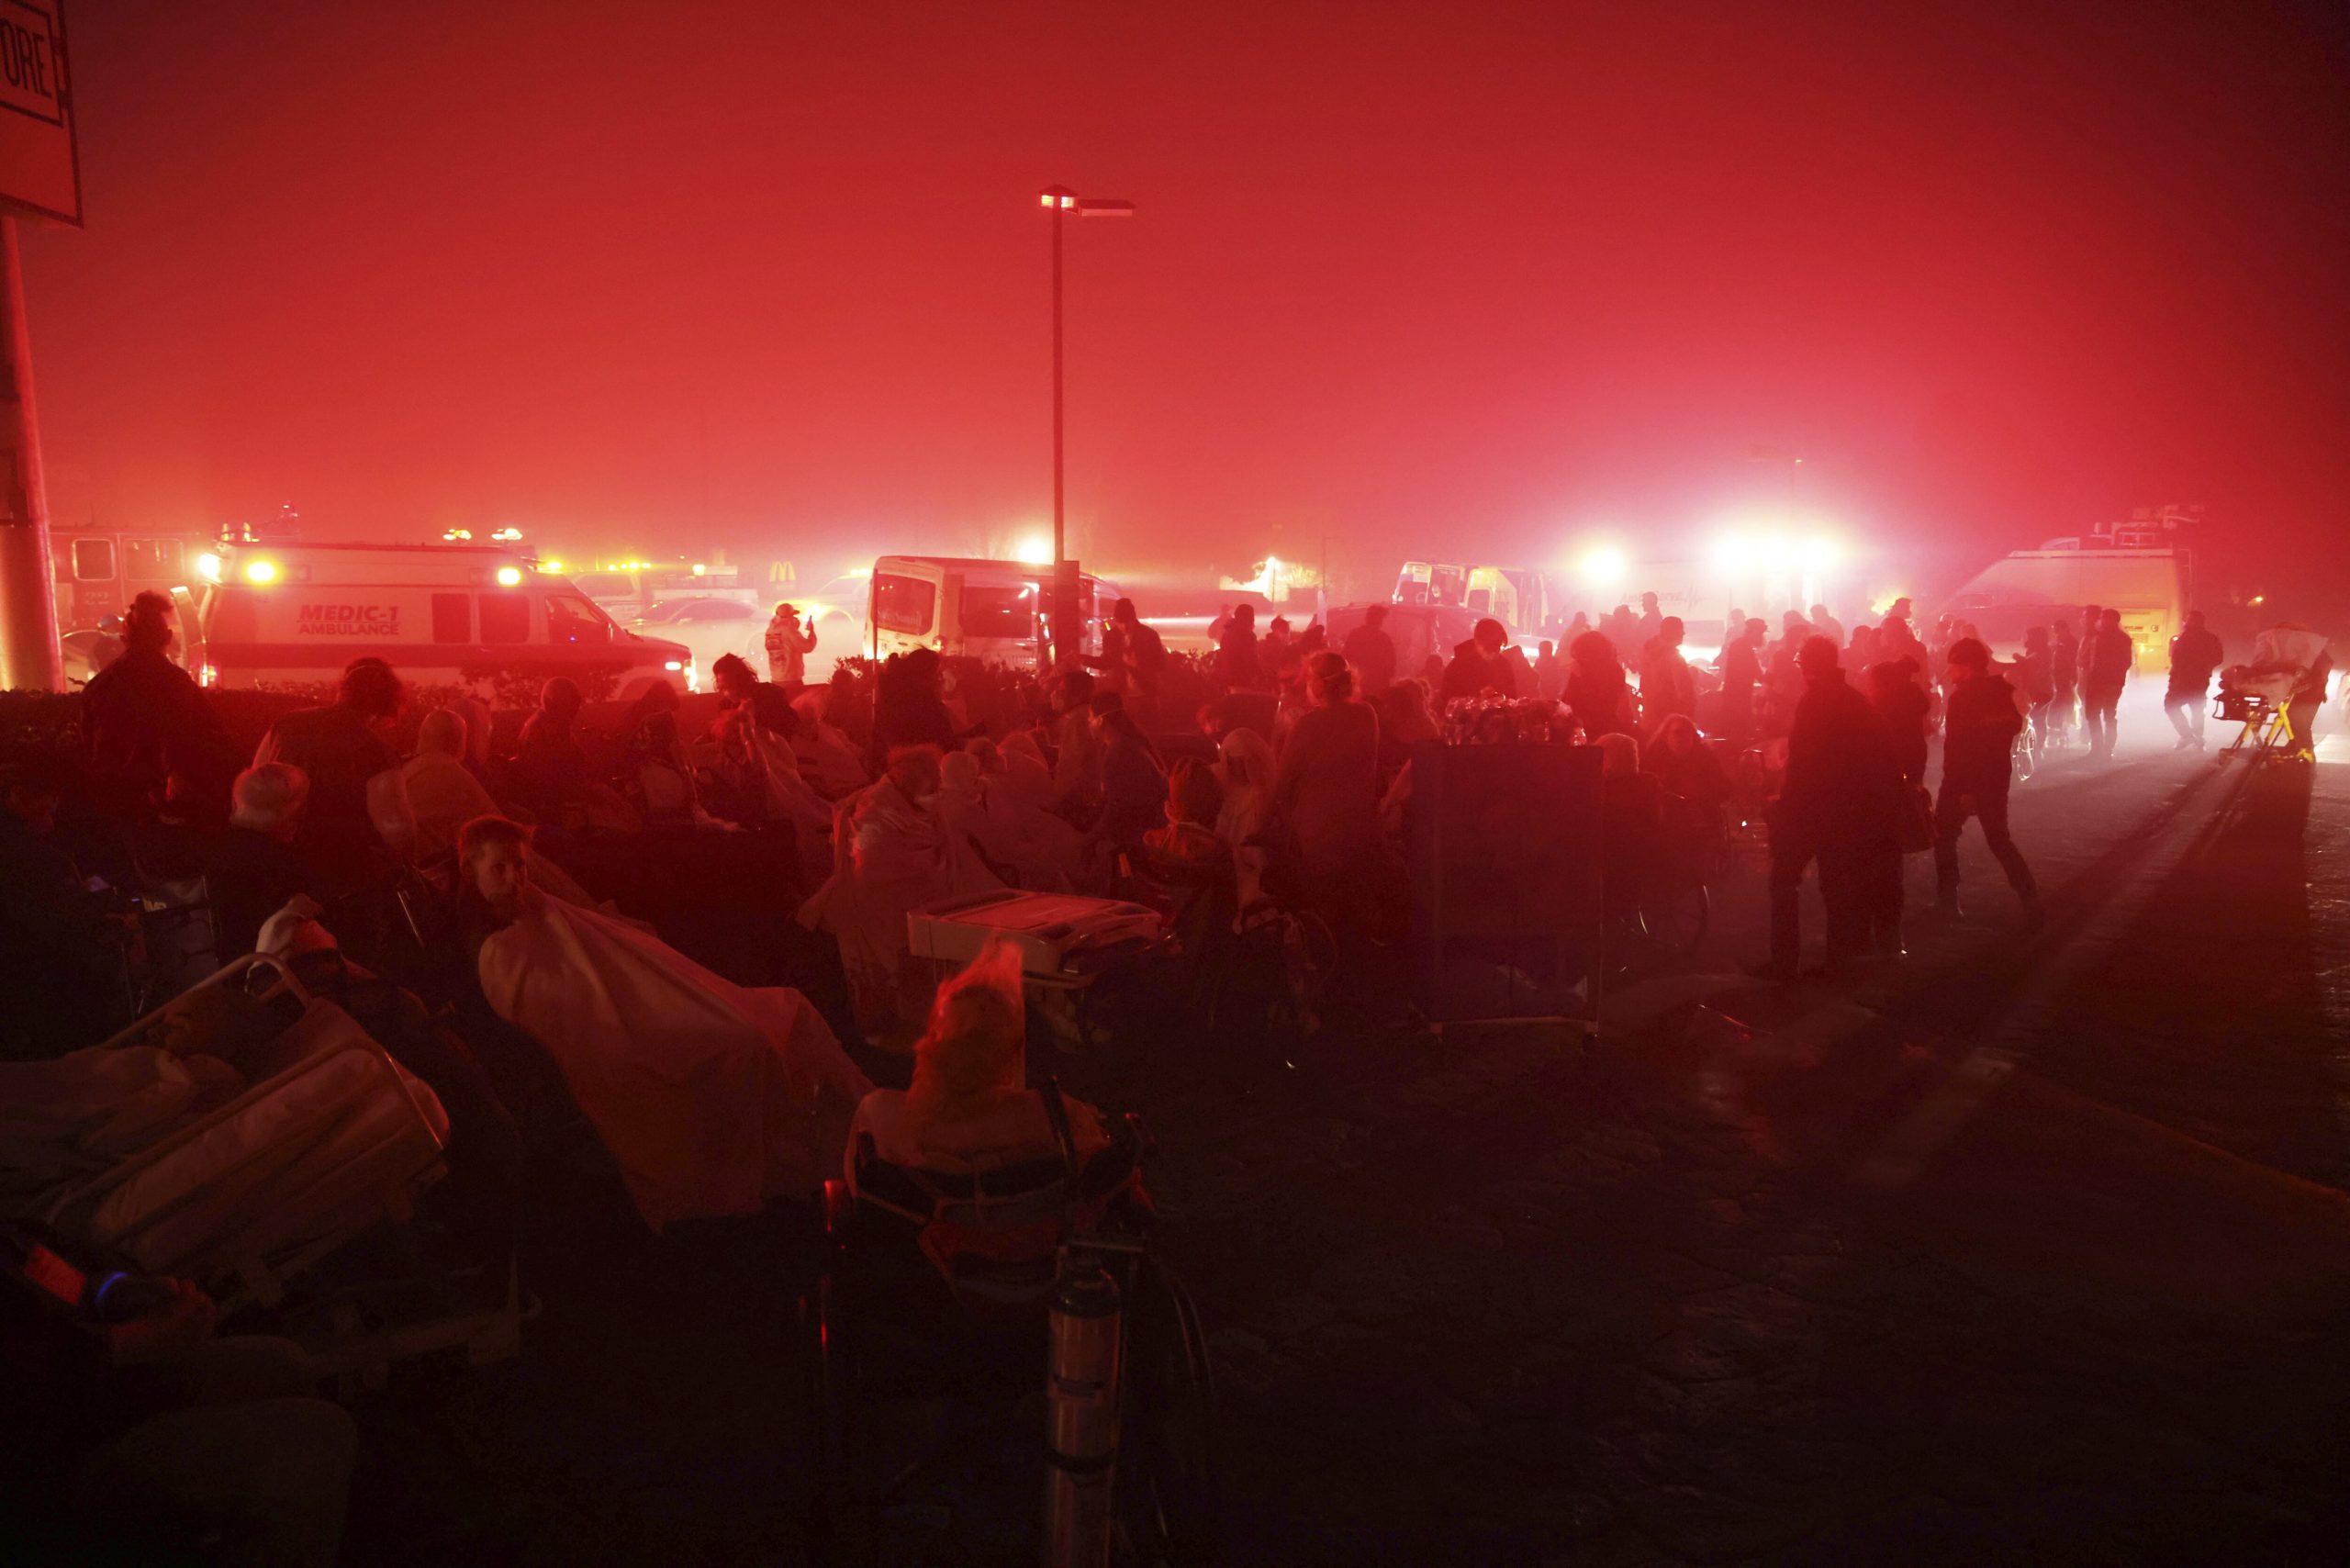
(40,177)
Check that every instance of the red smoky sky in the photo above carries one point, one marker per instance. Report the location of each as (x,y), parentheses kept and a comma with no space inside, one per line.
(1454,279)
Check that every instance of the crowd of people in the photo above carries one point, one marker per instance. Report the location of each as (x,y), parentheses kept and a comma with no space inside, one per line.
(1274,773)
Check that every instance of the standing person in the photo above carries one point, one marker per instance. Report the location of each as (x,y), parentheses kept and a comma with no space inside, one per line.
(2195,653)
(1978,754)
(2064,677)
(1897,639)
(1667,689)
(1652,623)
(2106,658)
(1145,659)
(1549,678)
(1133,784)
(1327,789)
(1826,625)
(1478,665)
(1597,695)
(144,721)
(788,643)
(1237,667)
(1370,652)
(1740,665)
(358,824)
(1836,806)
(1903,709)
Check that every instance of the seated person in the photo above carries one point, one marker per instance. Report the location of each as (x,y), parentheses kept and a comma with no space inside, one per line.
(892,853)
(1684,765)
(255,867)
(1188,846)
(441,790)
(970,1109)
(711,1097)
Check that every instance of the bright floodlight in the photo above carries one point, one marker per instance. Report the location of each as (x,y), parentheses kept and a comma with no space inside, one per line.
(1819,554)
(1733,552)
(261,571)
(510,577)
(209,566)
(1777,554)
(1035,550)
(1605,566)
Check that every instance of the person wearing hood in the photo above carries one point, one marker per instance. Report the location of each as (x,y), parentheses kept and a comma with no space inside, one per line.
(1978,759)
(970,1109)
(892,853)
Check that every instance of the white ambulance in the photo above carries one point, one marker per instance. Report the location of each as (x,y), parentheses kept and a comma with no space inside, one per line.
(976,609)
(294,615)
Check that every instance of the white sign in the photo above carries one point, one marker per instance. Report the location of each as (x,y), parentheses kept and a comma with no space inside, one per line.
(39,171)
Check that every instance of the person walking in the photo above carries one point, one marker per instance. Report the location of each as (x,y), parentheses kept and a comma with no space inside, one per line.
(1979,755)
(2106,658)
(1836,806)
(2195,653)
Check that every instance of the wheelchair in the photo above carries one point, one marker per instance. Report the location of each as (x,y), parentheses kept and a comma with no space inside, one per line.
(1660,908)
(936,1288)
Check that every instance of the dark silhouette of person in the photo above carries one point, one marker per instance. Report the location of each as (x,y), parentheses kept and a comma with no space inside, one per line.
(1478,665)
(2195,653)
(2106,658)
(1979,732)
(909,707)
(1836,806)
(1237,668)
(1667,689)
(357,823)
(144,723)
(1741,670)
(1370,652)
(1598,697)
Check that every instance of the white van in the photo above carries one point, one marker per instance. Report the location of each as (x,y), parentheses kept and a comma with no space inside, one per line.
(983,609)
(273,615)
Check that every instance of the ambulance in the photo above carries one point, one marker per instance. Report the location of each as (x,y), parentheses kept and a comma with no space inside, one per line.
(277,616)
(975,609)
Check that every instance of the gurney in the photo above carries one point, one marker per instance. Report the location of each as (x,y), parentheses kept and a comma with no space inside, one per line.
(326,1138)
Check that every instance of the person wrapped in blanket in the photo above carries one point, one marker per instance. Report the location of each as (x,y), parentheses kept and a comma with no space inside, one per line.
(970,1109)
(711,1097)
(893,851)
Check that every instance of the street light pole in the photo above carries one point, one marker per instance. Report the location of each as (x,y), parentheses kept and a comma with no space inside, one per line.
(1054,595)
(1061,202)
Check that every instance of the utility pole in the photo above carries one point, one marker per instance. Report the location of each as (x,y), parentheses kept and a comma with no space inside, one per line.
(1061,202)
(30,655)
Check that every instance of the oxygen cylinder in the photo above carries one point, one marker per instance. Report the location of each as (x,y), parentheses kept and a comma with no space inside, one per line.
(1082,1416)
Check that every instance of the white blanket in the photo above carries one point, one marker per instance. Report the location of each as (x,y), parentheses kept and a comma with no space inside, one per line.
(712,1096)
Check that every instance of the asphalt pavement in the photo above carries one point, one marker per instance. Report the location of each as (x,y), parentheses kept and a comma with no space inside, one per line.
(2031,1248)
